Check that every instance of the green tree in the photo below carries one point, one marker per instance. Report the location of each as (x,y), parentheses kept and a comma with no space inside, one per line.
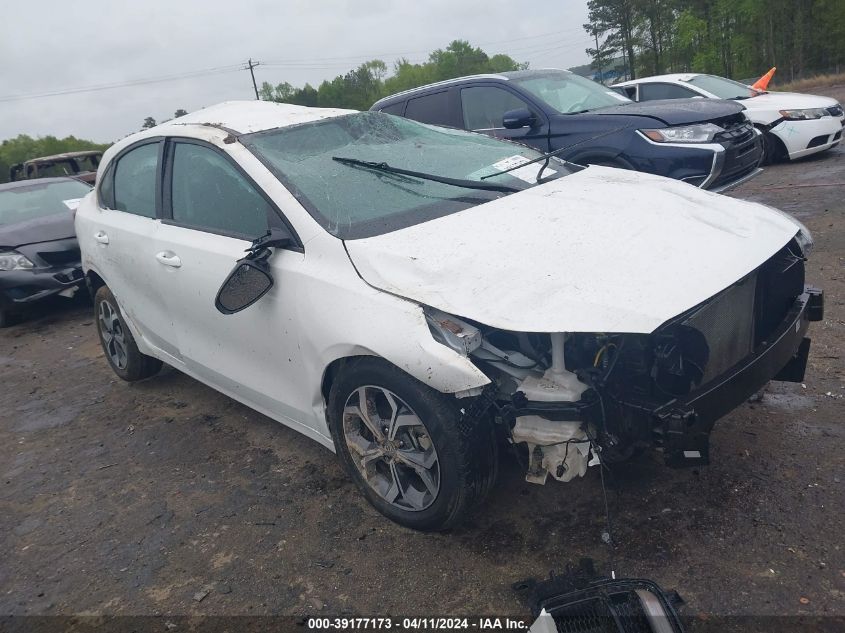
(179,112)
(148,123)
(617,19)
(23,148)
(359,88)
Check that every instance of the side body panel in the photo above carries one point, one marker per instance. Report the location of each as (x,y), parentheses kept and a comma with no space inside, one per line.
(273,356)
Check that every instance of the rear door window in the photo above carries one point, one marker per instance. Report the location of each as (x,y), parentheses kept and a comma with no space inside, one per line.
(433,108)
(135,181)
(485,106)
(652,92)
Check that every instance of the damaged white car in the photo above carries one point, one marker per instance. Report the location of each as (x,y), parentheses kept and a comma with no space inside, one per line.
(413,296)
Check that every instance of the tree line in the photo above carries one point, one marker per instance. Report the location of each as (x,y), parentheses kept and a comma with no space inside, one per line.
(733,38)
(359,88)
(24,147)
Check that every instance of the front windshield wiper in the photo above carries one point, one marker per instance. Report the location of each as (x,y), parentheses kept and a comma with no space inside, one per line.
(455,182)
(550,155)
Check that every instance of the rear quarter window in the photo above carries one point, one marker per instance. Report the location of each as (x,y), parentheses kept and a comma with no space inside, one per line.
(105,195)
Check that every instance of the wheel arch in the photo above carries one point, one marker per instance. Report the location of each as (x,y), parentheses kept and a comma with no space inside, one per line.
(333,369)
(94,282)
(779,152)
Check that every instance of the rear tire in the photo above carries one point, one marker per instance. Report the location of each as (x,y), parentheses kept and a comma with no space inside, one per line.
(119,346)
(430,465)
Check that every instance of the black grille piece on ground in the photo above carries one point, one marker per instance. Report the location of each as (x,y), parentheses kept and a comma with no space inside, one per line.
(579,601)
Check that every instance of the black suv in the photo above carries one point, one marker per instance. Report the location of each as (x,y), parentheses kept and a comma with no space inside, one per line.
(708,143)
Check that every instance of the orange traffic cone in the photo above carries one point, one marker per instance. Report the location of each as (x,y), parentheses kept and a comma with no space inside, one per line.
(763,82)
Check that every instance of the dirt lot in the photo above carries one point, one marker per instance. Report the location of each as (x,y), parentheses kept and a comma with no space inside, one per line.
(140,499)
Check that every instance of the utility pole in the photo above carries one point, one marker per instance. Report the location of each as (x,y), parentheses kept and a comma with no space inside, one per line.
(251,65)
(598,58)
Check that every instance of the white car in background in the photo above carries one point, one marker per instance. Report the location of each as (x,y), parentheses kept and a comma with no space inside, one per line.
(794,125)
(412,295)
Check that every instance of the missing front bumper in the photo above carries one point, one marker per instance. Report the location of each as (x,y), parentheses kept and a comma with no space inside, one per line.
(683,426)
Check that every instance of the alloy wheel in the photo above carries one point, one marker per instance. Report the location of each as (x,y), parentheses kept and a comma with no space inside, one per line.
(112,333)
(392,448)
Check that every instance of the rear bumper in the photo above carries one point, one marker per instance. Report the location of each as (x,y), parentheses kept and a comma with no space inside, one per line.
(683,426)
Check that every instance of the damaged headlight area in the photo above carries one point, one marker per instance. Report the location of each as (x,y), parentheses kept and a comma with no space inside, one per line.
(570,400)
(544,407)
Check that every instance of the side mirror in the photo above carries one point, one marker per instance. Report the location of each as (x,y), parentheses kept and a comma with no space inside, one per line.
(521,117)
(246,284)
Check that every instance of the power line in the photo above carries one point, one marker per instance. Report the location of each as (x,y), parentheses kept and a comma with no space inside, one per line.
(124,84)
(300,64)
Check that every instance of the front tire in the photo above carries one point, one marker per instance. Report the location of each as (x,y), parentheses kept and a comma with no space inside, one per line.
(774,150)
(410,450)
(119,346)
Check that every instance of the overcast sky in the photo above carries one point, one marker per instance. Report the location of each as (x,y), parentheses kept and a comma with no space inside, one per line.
(55,46)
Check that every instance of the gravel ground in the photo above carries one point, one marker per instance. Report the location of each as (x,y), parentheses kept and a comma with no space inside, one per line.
(166,497)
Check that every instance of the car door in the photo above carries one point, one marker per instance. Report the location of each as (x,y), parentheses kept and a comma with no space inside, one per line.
(214,210)
(484,106)
(125,232)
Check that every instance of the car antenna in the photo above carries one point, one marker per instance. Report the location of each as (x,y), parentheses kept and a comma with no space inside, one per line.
(546,157)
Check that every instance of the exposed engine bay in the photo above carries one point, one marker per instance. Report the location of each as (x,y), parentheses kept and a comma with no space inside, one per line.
(571,400)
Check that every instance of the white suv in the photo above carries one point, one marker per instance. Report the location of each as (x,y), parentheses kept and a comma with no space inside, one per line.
(412,297)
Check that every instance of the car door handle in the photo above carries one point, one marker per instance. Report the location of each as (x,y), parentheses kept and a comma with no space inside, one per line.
(168,259)
(101,237)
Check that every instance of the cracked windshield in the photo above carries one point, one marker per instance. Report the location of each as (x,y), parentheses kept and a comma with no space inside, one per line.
(354,201)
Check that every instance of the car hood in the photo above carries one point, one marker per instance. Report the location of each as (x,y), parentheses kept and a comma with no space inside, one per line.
(676,111)
(46,229)
(602,250)
(787,100)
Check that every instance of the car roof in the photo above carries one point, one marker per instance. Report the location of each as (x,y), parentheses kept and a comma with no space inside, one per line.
(441,84)
(37,181)
(244,117)
(672,77)
(227,118)
(503,76)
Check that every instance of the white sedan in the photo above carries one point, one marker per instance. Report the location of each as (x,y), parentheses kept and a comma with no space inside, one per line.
(412,297)
(794,125)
